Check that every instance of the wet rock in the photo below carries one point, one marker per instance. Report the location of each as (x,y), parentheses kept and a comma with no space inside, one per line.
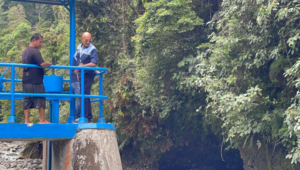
(7,165)
(4,149)
(11,154)
(12,165)
(12,159)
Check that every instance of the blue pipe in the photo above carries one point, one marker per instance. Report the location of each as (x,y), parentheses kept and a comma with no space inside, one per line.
(100,84)
(55,111)
(72,6)
(20,80)
(50,143)
(12,118)
(54,67)
(4,71)
(54,95)
(94,101)
(82,119)
(101,119)
(64,5)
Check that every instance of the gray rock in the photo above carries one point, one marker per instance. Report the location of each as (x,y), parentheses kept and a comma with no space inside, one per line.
(4,149)
(11,154)
(7,165)
(12,165)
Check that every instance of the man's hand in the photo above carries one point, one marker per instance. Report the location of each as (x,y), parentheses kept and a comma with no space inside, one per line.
(97,77)
(45,64)
(91,64)
(77,76)
(76,72)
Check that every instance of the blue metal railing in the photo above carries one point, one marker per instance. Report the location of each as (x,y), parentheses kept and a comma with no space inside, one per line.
(82,119)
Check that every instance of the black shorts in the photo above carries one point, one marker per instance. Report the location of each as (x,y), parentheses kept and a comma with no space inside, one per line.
(34,102)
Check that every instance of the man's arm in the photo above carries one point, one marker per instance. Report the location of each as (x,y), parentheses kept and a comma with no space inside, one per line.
(39,59)
(45,64)
(91,64)
(94,59)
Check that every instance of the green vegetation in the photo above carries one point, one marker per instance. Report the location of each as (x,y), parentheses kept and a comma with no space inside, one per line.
(192,84)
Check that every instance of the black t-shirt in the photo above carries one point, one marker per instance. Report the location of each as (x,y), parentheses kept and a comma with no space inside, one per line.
(32,75)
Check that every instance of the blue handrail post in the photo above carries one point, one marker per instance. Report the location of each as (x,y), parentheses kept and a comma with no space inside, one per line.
(82,119)
(50,143)
(12,118)
(55,111)
(1,79)
(72,6)
(101,119)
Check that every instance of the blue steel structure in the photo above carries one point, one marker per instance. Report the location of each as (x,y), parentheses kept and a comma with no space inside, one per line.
(6,129)
(54,131)
(70,6)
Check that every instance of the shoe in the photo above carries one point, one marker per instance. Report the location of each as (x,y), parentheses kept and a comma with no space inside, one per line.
(90,121)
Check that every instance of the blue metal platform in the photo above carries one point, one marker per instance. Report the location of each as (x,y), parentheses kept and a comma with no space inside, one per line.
(41,132)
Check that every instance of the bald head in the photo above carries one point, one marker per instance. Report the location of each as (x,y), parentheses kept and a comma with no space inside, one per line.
(86,39)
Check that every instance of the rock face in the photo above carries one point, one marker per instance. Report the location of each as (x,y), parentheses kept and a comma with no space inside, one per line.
(10,158)
(266,158)
(90,149)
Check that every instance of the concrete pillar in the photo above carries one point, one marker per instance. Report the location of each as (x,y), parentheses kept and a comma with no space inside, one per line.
(91,149)
(45,155)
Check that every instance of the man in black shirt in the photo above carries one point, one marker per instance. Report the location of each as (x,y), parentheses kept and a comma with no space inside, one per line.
(33,78)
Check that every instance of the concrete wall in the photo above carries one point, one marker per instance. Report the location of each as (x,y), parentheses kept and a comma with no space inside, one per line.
(91,149)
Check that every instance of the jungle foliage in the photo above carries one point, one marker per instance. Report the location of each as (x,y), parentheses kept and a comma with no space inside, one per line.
(249,70)
(186,79)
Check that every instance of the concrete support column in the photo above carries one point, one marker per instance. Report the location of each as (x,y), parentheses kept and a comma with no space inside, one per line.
(45,155)
(92,149)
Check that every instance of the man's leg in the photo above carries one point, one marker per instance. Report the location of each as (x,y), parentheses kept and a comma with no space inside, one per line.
(26,113)
(88,109)
(78,102)
(88,81)
(77,108)
(27,104)
(40,102)
(76,89)
(42,116)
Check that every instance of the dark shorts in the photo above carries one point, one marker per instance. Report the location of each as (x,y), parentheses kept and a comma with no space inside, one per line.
(34,102)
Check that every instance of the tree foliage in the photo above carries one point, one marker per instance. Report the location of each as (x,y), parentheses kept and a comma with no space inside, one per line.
(249,71)
(184,75)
